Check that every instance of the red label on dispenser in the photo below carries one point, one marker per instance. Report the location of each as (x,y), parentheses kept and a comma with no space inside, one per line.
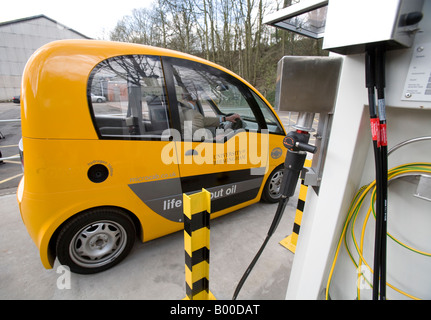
(383,135)
(375,130)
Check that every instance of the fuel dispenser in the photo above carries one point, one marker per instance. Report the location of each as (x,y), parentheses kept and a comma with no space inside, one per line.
(381,100)
(294,89)
(299,81)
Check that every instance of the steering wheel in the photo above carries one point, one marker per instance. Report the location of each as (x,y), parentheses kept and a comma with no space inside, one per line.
(238,124)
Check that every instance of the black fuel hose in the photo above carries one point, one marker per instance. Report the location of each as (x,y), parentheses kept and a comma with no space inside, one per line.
(277,217)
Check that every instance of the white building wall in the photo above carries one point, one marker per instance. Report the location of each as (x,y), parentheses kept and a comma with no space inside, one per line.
(19,39)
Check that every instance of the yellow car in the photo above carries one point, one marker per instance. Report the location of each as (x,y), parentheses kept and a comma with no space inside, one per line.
(99,172)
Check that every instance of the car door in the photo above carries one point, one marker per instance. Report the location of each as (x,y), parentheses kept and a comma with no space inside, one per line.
(228,159)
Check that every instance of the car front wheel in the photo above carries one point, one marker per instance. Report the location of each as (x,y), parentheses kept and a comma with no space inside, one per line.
(95,240)
(271,191)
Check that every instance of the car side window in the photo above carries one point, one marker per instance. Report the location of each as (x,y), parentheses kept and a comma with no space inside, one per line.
(127,98)
(206,95)
(271,120)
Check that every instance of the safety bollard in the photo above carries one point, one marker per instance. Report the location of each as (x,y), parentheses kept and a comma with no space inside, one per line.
(291,241)
(197,208)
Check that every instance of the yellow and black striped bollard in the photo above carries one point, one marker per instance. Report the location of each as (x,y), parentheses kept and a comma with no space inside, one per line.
(197,208)
(291,241)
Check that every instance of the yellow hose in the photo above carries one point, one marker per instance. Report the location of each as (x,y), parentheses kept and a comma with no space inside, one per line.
(412,168)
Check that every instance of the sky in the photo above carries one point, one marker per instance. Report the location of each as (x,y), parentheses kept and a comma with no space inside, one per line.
(93,18)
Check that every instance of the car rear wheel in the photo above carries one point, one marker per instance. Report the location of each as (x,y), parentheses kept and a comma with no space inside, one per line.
(95,240)
(271,191)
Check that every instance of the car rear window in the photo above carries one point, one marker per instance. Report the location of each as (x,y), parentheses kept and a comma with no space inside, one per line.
(127,98)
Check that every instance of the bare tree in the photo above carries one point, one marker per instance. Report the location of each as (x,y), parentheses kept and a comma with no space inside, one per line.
(228,32)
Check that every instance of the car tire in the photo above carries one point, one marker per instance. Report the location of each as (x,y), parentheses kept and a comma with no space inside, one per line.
(95,240)
(271,191)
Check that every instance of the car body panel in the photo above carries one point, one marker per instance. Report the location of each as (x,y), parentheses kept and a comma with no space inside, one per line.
(61,144)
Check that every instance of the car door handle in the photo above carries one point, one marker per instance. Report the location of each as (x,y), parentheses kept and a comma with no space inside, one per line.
(191,152)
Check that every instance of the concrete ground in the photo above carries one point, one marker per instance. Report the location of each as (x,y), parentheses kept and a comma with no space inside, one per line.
(153,270)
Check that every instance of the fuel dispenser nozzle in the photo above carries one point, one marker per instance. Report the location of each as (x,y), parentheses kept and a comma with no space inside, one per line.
(297,146)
